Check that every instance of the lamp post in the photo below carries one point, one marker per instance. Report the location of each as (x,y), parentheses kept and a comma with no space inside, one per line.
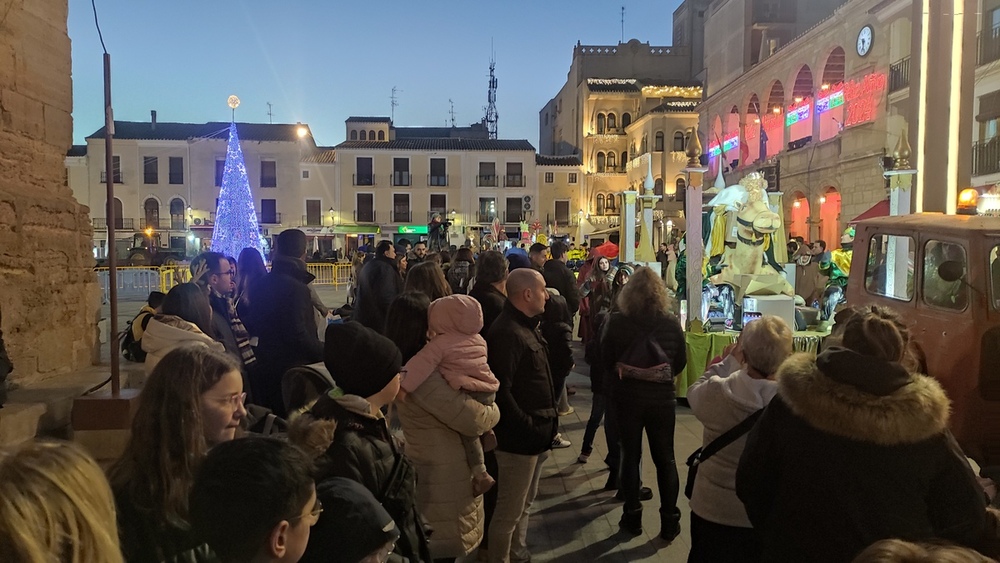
(692,212)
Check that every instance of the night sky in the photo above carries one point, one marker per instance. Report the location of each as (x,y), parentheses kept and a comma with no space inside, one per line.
(320,61)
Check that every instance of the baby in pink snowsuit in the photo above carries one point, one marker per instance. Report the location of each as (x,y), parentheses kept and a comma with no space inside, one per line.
(459,353)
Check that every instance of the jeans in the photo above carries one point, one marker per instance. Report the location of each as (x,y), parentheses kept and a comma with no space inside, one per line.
(597,409)
(658,420)
(613,438)
(833,296)
(517,486)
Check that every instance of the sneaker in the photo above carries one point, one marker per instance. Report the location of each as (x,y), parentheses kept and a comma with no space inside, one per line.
(560,442)
(568,411)
(584,456)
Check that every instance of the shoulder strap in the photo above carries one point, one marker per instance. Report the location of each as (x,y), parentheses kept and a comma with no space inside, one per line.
(730,436)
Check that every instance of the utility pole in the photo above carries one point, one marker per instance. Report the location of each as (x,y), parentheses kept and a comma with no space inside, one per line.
(451,112)
(270,114)
(623,24)
(491,99)
(393,102)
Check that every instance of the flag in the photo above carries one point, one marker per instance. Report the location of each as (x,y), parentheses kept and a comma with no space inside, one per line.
(744,152)
(763,143)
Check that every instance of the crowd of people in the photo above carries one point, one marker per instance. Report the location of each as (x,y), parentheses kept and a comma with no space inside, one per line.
(448,381)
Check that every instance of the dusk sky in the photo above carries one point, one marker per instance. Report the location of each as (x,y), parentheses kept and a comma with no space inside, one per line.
(321,61)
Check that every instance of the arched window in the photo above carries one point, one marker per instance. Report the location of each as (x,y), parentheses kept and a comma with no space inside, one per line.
(600,162)
(612,122)
(354,134)
(611,204)
(600,124)
(119,215)
(678,142)
(658,187)
(626,119)
(624,159)
(600,204)
(364,135)
(645,144)
(611,162)
(658,142)
(371,135)
(381,135)
(151,209)
(680,185)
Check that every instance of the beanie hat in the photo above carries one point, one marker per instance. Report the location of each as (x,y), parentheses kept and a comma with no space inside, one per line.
(516,260)
(352,526)
(361,361)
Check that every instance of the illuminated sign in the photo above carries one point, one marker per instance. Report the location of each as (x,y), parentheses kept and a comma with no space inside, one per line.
(864,97)
(729,144)
(830,101)
(415,230)
(798,113)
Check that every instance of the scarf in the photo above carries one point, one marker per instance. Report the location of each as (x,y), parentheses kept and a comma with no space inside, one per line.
(239,331)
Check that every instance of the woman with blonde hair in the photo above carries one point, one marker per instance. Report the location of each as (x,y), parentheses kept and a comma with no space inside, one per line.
(56,508)
(900,551)
(192,401)
(725,397)
(642,347)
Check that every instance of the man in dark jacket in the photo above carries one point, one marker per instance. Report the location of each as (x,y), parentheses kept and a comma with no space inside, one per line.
(379,284)
(517,356)
(558,276)
(283,321)
(227,326)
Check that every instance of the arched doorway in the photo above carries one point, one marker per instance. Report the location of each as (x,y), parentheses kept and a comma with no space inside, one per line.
(829,216)
(151,211)
(177,214)
(799,224)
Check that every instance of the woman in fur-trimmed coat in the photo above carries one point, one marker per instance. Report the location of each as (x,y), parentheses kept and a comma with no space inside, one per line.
(855,449)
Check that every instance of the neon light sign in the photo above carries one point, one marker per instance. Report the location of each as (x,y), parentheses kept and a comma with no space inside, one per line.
(830,101)
(864,98)
(727,145)
(798,113)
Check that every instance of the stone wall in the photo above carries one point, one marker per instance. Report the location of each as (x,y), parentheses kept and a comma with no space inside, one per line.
(48,291)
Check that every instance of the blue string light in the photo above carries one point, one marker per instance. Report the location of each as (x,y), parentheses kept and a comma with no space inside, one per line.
(236,225)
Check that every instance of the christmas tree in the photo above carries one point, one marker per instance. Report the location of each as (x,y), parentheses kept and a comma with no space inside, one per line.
(235,219)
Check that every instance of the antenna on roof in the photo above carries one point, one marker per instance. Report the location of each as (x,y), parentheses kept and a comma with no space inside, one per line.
(393,102)
(623,24)
(451,112)
(491,98)
(270,114)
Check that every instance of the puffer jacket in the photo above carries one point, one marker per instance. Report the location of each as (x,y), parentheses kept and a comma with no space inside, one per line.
(853,450)
(456,350)
(350,439)
(435,418)
(166,332)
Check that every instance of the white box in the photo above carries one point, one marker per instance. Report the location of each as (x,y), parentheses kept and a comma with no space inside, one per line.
(781,306)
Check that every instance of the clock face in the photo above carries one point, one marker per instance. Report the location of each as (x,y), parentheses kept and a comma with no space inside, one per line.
(865,37)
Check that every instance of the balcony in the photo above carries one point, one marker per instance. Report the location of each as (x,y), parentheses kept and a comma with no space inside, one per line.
(899,75)
(612,169)
(513,181)
(364,216)
(270,218)
(511,217)
(485,217)
(400,178)
(488,181)
(308,221)
(986,157)
(401,216)
(117,177)
(563,220)
(121,223)
(164,224)
(437,180)
(363,179)
(989,46)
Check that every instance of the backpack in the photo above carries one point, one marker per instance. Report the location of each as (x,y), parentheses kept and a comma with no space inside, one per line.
(131,343)
(645,360)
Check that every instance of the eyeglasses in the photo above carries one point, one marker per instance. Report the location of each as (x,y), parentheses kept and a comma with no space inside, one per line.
(230,272)
(315,512)
(235,400)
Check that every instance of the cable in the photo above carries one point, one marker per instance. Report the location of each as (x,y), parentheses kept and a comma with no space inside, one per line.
(93,4)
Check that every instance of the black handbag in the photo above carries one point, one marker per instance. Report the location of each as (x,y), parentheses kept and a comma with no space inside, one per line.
(701,454)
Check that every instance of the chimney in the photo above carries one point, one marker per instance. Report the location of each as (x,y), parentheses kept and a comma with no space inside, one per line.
(152,119)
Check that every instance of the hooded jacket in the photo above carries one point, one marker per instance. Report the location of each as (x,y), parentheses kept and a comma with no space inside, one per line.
(456,350)
(853,450)
(166,332)
(350,439)
(379,283)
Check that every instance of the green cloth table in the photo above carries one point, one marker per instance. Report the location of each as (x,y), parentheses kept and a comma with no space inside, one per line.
(702,348)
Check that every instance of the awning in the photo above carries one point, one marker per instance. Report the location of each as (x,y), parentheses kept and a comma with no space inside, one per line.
(880,209)
(356,229)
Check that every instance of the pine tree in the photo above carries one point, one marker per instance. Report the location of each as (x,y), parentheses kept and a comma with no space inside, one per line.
(236,225)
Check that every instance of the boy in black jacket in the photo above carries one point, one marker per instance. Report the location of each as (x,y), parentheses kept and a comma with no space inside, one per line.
(557,329)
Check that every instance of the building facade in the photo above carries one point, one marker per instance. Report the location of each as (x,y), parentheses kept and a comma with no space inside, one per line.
(986,141)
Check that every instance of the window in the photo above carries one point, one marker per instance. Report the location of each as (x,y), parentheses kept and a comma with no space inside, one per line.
(678,142)
(600,124)
(487,174)
(354,134)
(645,144)
(549,177)
(371,135)
(679,186)
(612,122)
(610,204)
(658,187)
(439,174)
(116,170)
(612,165)
(600,162)
(305,174)
(572,177)
(314,212)
(220,170)
(364,212)
(119,216)
(381,135)
(364,135)
(514,208)
(176,172)
(150,173)
(624,160)
(626,120)
(439,204)
(400,208)
(363,175)
(658,142)
(487,209)
(562,211)
(515,175)
(400,172)
(268,174)
(177,222)
(151,210)
(269,212)
(895,281)
(601,207)
(937,291)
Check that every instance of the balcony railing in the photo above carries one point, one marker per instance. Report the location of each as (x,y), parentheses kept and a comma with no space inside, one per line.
(117,176)
(989,46)
(562,220)
(122,223)
(308,221)
(986,157)
(513,181)
(364,216)
(363,179)
(485,217)
(437,180)
(270,219)
(511,217)
(400,178)
(401,216)
(612,169)
(163,224)
(899,75)
(487,181)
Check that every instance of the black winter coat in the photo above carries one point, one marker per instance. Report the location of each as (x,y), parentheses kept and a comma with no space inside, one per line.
(363,450)
(557,330)
(379,283)
(527,401)
(558,276)
(282,318)
(831,468)
(618,334)
(142,540)
(491,300)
